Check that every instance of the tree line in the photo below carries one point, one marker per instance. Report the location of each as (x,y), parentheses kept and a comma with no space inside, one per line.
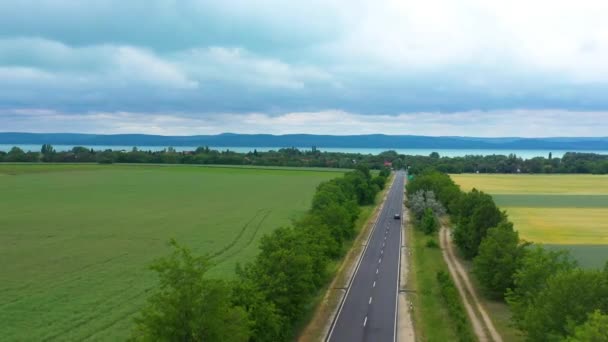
(272,293)
(550,297)
(571,162)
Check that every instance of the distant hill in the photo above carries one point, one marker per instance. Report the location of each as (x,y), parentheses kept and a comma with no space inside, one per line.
(309,140)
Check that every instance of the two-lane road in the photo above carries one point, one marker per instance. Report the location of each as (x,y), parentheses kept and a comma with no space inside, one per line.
(369,310)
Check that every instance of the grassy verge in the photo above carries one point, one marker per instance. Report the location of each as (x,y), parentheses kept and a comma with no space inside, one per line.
(329,297)
(432,321)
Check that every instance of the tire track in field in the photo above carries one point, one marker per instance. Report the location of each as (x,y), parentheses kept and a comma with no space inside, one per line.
(250,241)
(240,234)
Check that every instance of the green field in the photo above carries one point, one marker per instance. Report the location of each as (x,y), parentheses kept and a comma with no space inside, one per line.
(76,239)
(562,211)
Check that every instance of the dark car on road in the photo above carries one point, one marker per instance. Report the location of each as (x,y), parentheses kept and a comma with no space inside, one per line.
(397,216)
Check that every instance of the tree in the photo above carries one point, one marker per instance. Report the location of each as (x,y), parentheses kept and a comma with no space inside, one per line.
(429,223)
(188,306)
(564,302)
(537,265)
(47,149)
(477,212)
(498,258)
(595,329)
(285,271)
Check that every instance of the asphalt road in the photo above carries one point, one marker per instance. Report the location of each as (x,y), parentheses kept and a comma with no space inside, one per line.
(369,310)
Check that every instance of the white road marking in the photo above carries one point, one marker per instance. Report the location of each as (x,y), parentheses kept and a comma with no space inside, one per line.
(374,284)
(376,271)
(380,260)
(382,251)
(370,300)
(365,321)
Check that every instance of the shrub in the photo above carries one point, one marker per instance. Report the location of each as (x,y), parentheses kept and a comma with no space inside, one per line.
(451,297)
(432,243)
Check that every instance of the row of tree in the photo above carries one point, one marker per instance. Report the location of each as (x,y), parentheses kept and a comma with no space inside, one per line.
(202,155)
(551,299)
(569,163)
(271,294)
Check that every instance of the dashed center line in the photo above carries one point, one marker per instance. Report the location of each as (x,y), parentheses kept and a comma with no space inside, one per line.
(370,300)
(374,284)
(380,260)
(376,271)
(365,321)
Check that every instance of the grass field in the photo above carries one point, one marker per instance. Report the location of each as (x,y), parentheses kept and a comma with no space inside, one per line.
(76,239)
(562,211)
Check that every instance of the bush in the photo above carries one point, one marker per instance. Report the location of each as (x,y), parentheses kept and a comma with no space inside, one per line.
(431,243)
(451,297)
(429,224)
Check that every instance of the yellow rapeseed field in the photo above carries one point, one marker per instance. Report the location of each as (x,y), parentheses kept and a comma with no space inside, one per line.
(534,184)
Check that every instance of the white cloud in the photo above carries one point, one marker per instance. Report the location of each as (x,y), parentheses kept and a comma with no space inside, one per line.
(101,65)
(238,65)
(518,123)
(542,36)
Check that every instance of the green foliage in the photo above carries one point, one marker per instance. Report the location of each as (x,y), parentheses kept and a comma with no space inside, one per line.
(570,163)
(379,181)
(361,182)
(564,302)
(432,243)
(595,329)
(451,297)
(189,307)
(499,257)
(477,212)
(429,224)
(536,267)
(385,172)
(292,264)
(443,187)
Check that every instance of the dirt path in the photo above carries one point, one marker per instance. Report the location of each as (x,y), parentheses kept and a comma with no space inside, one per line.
(483,327)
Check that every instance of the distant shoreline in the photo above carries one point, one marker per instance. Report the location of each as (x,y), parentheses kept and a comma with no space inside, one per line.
(524,153)
(308,141)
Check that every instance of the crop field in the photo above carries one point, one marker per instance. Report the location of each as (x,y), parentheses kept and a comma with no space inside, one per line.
(535,184)
(76,240)
(561,211)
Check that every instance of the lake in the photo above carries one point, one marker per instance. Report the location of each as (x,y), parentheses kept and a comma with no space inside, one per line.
(526,154)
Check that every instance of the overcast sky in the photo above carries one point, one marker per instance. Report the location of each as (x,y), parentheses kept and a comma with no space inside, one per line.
(180,67)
